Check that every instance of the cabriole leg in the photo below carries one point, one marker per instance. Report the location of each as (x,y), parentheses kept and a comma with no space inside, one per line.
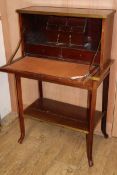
(20,108)
(91,114)
(40,87)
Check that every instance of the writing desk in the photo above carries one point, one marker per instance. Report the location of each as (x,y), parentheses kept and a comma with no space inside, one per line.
(70,47)
(75,117)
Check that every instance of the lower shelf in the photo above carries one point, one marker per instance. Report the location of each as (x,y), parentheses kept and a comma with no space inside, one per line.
(62,114)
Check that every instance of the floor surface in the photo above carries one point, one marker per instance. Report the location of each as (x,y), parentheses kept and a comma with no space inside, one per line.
(51,150)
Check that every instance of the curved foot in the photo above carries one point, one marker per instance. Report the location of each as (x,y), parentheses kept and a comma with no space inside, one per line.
(20,140)
(90,163)
(105,135)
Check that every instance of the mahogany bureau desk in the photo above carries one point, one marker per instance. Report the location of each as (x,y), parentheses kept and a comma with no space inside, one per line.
(66,46)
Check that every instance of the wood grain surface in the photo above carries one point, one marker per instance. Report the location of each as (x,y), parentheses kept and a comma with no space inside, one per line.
(65,11)
(49,67)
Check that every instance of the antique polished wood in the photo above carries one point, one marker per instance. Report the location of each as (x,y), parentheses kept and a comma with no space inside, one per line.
(67,11)
(20,107)
(105,105)
(91,112)
(65,46)
(40,85)
(62,114)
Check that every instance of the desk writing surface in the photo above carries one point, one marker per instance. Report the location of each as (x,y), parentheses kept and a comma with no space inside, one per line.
(49,67)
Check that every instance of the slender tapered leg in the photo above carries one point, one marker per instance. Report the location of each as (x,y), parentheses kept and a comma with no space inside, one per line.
(104,105)
(40,89)
(20,107)
(91,114)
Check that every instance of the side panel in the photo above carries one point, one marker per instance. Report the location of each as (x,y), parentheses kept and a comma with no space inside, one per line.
(106,40)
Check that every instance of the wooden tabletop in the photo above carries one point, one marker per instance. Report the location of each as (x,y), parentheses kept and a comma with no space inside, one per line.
(67,11)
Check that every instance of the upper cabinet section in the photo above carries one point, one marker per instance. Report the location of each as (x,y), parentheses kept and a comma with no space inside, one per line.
(77,35)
